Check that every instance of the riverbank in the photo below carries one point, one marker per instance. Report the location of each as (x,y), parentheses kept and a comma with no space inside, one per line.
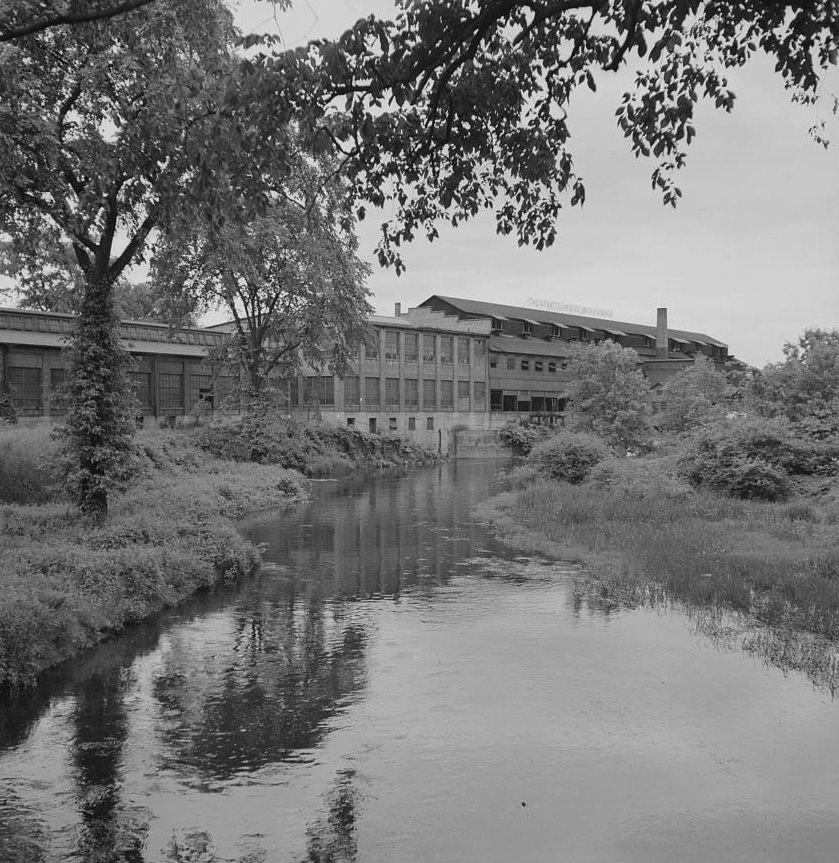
(67,584)
(777,564)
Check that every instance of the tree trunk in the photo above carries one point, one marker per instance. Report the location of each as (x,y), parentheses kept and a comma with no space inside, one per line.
(99,426)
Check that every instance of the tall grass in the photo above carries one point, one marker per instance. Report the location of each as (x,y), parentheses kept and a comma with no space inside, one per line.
(761,559)
(27,468)
(66,583)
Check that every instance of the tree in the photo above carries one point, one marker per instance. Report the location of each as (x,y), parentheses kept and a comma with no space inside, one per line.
(289,276)
(99,124)
(462,105)
(695,396)
(27,17)
(608,394)
(804,388)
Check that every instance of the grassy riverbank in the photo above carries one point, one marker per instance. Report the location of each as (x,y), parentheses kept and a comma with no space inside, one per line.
(66,584)
(653,539)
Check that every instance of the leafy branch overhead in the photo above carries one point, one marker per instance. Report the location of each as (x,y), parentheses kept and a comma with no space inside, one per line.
(458,105)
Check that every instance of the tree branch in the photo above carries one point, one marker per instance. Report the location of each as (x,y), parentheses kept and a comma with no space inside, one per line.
(56,20)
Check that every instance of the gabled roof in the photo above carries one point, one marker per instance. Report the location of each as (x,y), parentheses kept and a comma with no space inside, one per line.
(522,313)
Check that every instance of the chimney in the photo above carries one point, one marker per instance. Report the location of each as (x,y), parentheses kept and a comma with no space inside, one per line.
(661,352)
(398,311)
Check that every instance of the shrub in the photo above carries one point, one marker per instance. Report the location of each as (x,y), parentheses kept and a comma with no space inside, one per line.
(523,436)
(8,414)
(569,456)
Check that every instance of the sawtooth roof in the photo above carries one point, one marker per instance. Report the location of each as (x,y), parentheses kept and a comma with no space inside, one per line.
(497,310)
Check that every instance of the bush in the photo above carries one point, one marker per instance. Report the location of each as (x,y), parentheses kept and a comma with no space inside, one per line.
(569,456)
(523,436)
(753,458)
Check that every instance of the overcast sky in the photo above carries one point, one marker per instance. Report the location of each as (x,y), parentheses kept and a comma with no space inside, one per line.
(751,256)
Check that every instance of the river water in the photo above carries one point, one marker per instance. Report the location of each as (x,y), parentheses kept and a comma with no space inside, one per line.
(395,686)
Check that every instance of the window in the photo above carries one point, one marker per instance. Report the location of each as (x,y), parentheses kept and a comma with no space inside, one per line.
(446,395)
(58,393)
(352,391)
(391,424)
(463,352)
(410,343)
(537,366)
(391,345)
(525,365)
(171,391)
(429,394)
(497,325)
(479,346)
(527,328)
(509,403)
(25,385)
(511,364)
(412,423)
(446,349)
(350,422)
(480,394)
(429,351)
(371,392)
(493,361)
(411,393)
(200,390)
(293,392)
(320,390)
(495,400)
(371,348)
(429,423)
(675,347)
(584,335)
(392,392)
(552,367)
(371,425)
(463,395)
(556,331)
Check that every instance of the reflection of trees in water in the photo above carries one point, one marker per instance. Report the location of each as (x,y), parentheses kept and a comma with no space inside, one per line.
(22,836)
(108,831)
(332,837)
(291,667)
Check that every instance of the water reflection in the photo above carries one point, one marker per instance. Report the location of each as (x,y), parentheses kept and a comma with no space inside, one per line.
(394,685)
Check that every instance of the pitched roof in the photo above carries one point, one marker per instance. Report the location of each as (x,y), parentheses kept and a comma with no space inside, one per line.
(497,310)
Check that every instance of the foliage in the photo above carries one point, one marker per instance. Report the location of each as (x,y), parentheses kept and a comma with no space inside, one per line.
(608,394)
(754,457)
(695,396)
(804,388)
(288,276)
(457,106)
(8,414)
(99,125)
(314,449)
(569,456)
(27,464)
(522,436)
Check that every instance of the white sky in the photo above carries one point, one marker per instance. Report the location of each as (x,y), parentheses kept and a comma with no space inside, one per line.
(751,256)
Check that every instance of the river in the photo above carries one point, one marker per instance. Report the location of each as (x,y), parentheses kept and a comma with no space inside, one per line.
(397,687)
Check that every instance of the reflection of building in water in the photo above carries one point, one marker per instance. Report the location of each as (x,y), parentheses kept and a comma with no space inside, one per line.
(395,533)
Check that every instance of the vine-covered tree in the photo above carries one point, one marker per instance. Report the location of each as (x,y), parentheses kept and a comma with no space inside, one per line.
(99,123)
(457,106)
(288,276)
(608,394)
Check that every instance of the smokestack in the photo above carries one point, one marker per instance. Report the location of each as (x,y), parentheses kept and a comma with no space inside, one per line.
(661,352)
(398,311)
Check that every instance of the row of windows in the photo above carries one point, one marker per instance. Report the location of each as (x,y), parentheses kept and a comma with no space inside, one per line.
(525,403)
(392,423)
(524,365)
(409,349)
(368,391)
